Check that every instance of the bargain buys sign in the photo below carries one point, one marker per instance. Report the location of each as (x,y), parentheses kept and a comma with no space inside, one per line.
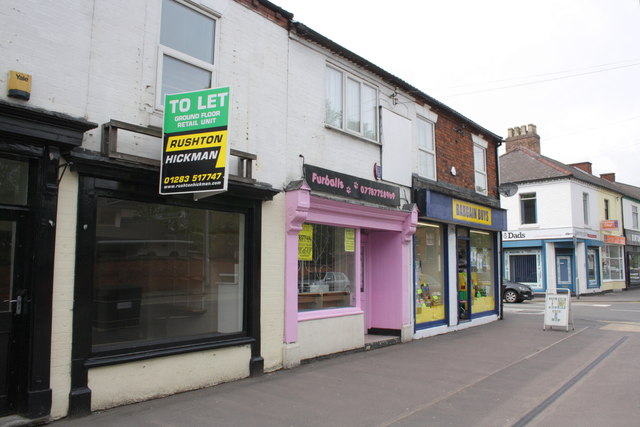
(195,148)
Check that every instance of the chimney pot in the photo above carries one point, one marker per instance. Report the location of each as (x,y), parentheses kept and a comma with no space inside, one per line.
(523,136)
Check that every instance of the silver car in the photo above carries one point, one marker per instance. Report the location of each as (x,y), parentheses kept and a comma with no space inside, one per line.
(327,281)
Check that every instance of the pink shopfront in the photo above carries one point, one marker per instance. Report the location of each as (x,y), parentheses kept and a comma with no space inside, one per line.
(348,266)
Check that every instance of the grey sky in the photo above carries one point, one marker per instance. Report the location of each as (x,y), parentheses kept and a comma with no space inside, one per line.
(571,67)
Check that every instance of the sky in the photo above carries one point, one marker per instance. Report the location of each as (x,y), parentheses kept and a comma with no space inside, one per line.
(570,67)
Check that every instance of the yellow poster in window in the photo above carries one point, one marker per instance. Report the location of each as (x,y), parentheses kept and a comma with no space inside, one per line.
(349,240)
(305,243)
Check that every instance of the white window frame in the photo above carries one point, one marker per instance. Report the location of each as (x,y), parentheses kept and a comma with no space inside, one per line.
(606,262)
(180,56)
(634,217)
(527,196)
(585,208)
(425,149)
(480,144)
(344,122)
(539,283)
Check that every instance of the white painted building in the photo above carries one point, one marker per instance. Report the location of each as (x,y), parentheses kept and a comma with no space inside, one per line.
(563,226)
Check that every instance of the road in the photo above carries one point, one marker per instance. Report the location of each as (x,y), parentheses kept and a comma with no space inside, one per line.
(507,373)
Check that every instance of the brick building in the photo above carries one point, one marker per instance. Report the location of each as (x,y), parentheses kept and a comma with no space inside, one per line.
(356,207)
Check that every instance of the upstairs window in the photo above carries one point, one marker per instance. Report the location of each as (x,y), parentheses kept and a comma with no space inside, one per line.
(606,208)
(480,164)
(528,208)
(585,207)
(634,216)
(351,104)
(426,149)
(186,52)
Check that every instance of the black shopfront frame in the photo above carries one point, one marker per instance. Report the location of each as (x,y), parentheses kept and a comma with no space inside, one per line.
(100,177)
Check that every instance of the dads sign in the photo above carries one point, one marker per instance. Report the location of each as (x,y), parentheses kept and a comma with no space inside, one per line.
(195,148)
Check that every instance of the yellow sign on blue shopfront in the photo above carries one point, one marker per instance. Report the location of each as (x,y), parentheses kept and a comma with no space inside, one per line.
(471,212)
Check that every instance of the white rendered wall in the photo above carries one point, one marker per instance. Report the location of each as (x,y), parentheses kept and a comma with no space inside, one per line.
(627,214)
(272,282)
(327,336)
(134,382)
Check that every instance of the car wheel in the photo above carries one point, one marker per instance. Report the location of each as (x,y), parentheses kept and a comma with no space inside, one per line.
(510,296)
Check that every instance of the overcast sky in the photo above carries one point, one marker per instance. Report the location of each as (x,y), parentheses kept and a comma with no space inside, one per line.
(571,67)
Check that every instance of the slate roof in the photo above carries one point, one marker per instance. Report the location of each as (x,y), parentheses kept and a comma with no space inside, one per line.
(523,165)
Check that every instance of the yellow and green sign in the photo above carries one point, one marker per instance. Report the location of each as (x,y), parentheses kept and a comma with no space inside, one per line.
(471,212)
(305,243)
(195,148)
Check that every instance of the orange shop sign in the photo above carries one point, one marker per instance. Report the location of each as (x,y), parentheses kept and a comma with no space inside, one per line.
(616,240)
(609,224)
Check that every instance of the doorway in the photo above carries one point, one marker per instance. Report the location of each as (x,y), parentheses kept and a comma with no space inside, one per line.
(564,270)
(12,306)
(464,274)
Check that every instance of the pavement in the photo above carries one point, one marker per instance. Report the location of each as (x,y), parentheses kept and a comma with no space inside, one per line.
(502,373)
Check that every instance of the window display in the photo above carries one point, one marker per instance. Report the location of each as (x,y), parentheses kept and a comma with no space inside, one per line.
(482,272)
(165,272)
(326,267)
(429,290)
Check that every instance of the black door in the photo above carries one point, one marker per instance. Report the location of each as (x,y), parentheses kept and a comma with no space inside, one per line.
(12,299)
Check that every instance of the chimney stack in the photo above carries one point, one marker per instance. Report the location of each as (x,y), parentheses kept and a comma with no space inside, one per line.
(523,136)
(608,176)
(585,166)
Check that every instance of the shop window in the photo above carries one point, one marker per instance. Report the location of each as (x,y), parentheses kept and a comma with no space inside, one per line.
(528,208)
(14,176)
(426,149)
(164,273)
(351,104)
(634,267)
(326,267)
(524,267)
(482,272)
(186,51)
(612,262)
(430,284)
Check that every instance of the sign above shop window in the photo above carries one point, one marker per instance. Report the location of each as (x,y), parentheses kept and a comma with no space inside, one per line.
(471,212)
(352,187)
(195,149)
(616,240)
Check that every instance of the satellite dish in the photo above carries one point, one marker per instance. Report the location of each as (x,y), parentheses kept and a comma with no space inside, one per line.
(507,189)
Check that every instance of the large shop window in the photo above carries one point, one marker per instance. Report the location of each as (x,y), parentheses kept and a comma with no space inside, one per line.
(482,272)
(524,266)
(326,267)
(187,42)
(612,262)
(166,272)
(430,285)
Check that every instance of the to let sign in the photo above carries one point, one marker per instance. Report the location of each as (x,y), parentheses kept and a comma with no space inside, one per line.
(195,148)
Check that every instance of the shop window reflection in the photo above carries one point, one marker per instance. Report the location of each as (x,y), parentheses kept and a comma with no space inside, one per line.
(482,272)
(429,290)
